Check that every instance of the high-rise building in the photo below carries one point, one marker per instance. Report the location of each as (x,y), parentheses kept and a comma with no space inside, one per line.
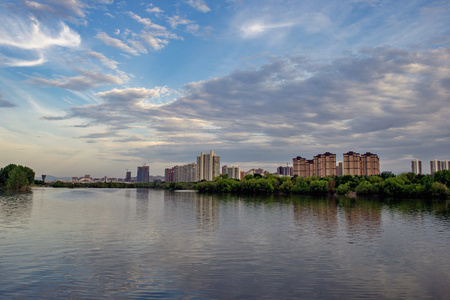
(321,165)
(185,173)
(301,166)
(208,166)
(339,169)
(128,176)
(168,174)
(143,174)
(370,164)
(435,165)
(325,164)
(416,166)
(352,164)
(232,172)
(284,171)
(439,165)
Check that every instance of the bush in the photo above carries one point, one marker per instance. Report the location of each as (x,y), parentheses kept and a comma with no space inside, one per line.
(343,189)
(438,190)
(393,186)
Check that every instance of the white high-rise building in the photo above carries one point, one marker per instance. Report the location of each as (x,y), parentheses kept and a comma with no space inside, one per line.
(435,165)
(208,166)
(416,166)
(233,172)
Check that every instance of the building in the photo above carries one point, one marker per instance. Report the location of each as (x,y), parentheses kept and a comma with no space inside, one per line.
(143,174)
(352,164)
(370,164)
(185,173)
(435,165)
(439,165)
(416,166)
(339,168)
(168,174)
(302,167)
(325,164)
(284,171)
(232,172)
(321,165)
(128,176)
(208,166)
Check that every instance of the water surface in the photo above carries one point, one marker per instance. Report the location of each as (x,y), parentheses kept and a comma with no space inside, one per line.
(143,243)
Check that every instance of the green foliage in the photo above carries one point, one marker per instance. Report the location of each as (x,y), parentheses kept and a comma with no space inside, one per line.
(319,187)
(393,186)
(387,174)
(16,178)
(442,176)
(343,189)
(439,190)
(366,188)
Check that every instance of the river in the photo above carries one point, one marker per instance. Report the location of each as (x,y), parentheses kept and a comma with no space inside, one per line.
(145,243)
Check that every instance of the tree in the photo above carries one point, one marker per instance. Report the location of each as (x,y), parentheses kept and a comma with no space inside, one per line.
(393,186)
(438,190)
(443,177)
(17,178)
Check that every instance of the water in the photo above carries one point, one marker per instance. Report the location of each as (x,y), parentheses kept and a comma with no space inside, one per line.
(143,244)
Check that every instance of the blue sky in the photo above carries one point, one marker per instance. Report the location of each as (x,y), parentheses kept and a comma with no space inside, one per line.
(98,87)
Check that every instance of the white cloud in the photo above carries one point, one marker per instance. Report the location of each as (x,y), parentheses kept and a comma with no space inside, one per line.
(199,5)
(86,80)
(116,43)
(109,63)
(258,28)
(154,9)
(131,95)
(18,33)
(146,21)
(177,20)
(154,42)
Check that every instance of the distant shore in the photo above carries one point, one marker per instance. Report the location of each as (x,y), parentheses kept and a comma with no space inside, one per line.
(405,185)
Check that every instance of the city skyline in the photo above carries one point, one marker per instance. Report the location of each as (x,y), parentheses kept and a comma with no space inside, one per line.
(99,87)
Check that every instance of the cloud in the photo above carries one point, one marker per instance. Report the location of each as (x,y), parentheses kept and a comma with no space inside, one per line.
(109,63)
(86,81)
(27,43)
(31,35)
(116,43)
(200,5)
(146,21)
(297,106)
(65,9)
(5,103)
(153,41)
(177,20)
(154,9)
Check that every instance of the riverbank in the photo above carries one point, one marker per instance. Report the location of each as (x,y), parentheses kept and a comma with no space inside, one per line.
(407,185)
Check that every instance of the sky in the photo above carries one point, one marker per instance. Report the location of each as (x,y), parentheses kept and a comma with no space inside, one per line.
(101,86)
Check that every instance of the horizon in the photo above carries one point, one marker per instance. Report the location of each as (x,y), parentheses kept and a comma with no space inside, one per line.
(98,87)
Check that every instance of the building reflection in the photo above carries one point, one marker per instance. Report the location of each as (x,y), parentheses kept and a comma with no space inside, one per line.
(204,208)
(15,206)
(142,196)
(207,212)
(316,215)
(362,219)
(332,216)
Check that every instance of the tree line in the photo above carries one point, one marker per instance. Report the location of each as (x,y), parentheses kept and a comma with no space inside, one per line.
(386,185)
(16,178)
(408,185)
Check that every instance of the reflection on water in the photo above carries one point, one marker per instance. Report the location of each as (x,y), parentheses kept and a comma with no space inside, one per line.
(15,208)
(144,243)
